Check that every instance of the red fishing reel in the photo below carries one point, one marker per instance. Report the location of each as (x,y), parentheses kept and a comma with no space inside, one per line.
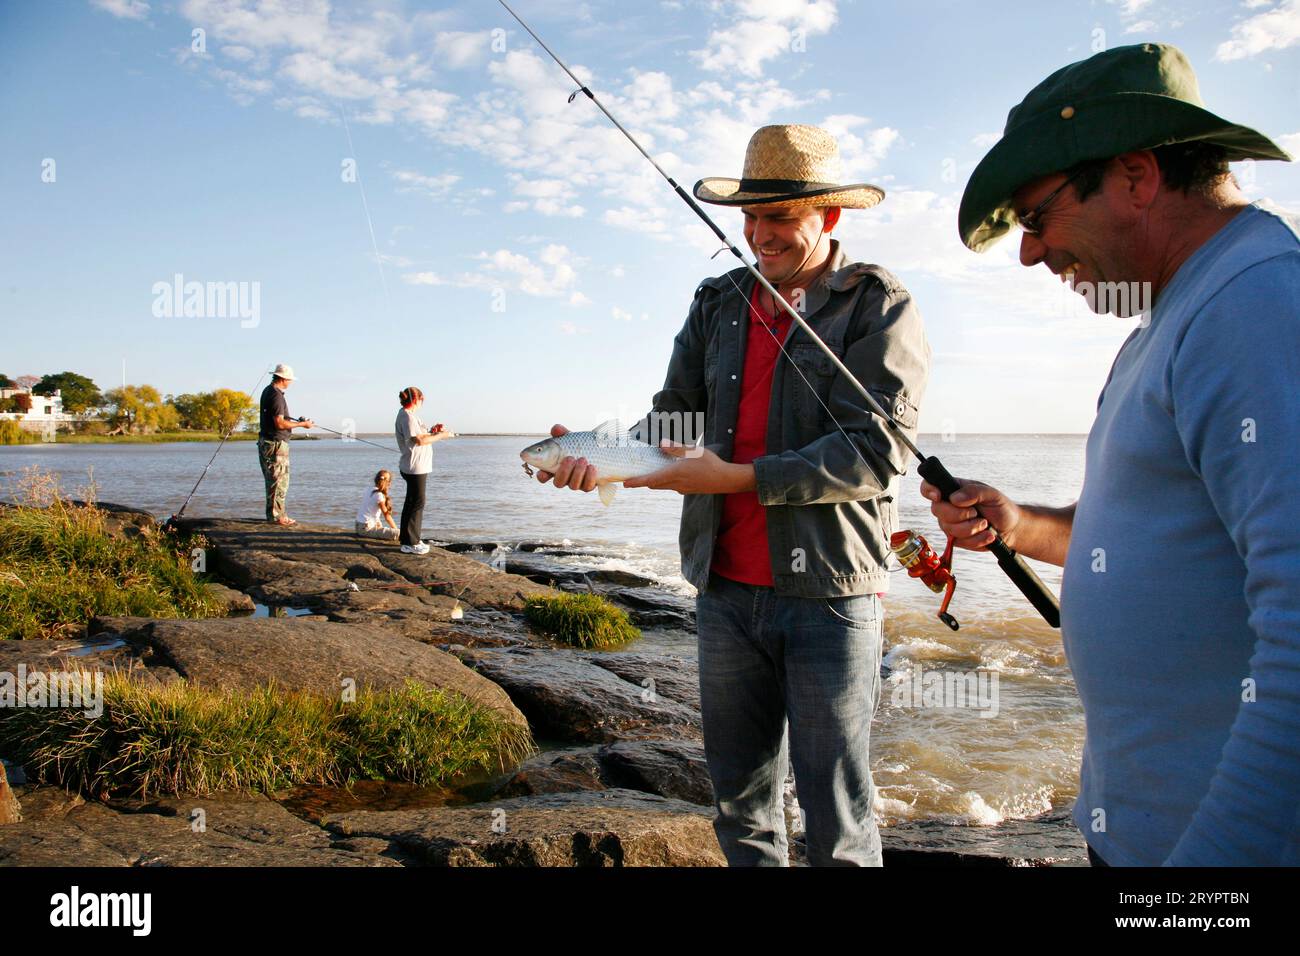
(935,572)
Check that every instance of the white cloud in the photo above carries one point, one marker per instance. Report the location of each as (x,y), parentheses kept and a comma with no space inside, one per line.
(1142,26)
(433,186)
(653,223)
(761,30)
(459,50)
(551,275)
(985,140)
(123,9)
(1291,143)
(620,314)
(1275,29)
(423,278)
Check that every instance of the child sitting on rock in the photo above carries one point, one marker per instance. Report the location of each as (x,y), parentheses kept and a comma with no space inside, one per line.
(376,509)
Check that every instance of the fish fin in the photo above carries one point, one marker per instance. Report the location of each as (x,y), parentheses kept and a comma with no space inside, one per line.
(607,490)
(609,434)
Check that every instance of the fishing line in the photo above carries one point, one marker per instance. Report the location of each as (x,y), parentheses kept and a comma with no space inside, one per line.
(222,444)
(346,437)
(795,365)
(365,206)
(930,467)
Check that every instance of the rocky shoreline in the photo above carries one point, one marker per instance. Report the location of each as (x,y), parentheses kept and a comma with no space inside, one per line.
(620,780)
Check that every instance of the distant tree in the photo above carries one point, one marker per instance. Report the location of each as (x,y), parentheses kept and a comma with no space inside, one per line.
(220,411)
(9,404)
(6,381)
(189,409)
(230,409)
(78,392)
(139,408)
(25,381)
(23,401)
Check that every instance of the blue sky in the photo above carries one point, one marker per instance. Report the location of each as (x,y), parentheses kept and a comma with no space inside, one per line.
(505,250)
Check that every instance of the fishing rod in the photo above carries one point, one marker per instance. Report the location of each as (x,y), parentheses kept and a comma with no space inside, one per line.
(930,468)
(226,437)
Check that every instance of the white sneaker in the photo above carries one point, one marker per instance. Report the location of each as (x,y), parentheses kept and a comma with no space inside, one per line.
(420,548)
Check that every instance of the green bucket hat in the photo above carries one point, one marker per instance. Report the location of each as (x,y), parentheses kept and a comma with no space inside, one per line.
(1122,100)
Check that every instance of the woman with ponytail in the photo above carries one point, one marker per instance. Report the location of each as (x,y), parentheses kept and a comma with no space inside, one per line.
(414,440)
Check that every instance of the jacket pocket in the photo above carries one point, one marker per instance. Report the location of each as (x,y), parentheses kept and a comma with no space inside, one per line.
(811,380)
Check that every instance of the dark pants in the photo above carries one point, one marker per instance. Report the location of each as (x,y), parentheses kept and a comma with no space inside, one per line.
(412,508)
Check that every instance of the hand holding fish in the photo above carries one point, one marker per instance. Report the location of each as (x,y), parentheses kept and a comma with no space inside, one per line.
(598,460)
(573,473)
(697,471)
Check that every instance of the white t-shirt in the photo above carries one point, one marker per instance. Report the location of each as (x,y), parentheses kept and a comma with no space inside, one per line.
(416,459)
(370,513)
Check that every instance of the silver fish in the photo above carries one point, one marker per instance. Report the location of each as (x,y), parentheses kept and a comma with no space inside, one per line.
(608,447)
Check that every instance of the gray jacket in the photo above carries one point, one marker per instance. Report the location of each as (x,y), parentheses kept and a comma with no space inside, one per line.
(829,498)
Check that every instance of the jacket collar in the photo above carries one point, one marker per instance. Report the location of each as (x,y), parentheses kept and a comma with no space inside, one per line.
(840,275)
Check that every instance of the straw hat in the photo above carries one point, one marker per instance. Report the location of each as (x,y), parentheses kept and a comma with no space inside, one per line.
(283,371)
(789,165)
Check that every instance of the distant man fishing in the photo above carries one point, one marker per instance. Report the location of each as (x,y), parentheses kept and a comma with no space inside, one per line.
(275,429)
(788,501)
(1180,610)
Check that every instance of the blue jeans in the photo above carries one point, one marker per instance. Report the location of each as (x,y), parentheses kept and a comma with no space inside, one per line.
(814,662)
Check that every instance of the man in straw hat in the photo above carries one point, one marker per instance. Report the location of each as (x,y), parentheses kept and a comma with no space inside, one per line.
(273,443)
(789,502)
(1180,610)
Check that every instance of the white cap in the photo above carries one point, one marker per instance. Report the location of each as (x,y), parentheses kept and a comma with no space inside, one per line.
(283,371)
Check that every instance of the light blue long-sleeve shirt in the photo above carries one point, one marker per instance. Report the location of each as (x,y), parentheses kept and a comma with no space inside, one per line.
(1180,605)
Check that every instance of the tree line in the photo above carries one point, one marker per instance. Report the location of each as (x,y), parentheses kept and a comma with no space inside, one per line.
(136,409)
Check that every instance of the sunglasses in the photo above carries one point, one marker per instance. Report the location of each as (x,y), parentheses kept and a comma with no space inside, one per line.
(1031,222)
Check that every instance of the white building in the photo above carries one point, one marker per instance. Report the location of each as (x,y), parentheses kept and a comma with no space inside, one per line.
(46,413)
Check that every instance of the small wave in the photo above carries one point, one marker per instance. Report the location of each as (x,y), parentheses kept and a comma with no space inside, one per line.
(916,649)
(973,808)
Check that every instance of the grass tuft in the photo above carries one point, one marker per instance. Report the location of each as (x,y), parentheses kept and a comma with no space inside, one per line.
(185,739)
(60,566)
(583,620)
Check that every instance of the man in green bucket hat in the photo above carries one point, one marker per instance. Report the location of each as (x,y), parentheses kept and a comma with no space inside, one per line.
(1180,602)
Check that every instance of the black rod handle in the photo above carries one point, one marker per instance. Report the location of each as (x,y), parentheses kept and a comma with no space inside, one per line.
(1012,564)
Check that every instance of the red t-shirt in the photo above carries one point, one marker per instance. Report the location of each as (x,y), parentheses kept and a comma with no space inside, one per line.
(741,550)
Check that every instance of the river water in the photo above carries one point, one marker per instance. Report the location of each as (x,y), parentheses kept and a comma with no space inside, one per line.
(1010,751)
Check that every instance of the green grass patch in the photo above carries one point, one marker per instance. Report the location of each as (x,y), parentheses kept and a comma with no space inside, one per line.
(185,739)
(583,620)
(59,567)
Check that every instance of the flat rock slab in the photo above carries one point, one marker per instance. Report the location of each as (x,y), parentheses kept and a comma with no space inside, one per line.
(667,768)
(98,654)
(1049,840)
(607,828)
(566,696)
(217,830)
(329,570)
(314,656)
(669,676)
